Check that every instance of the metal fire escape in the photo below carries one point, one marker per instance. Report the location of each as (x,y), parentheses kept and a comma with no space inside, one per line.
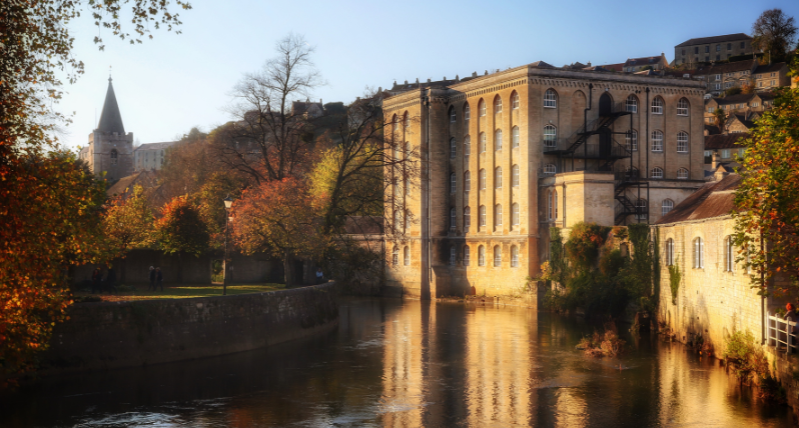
(604,157)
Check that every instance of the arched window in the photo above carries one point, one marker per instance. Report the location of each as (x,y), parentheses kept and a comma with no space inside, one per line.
(682,174)
(515,175)
(498,215)
(497,256)
(467,182)
(498,139)
(729,254)
(641,209)
(397,221)
(481,256)
(453,219)
(466,258)
(407,120)
(453,183)
(453,255)
(550,136)
(550,99)
(657,141)
(669,252)
(657,105)
(482,215)
(481,177)
(666,206)
(514,135)
(453,148)
(453,117)
(514,100)
(467,219)
(497,105)
(631,139)
(407,256)
(407,219)
(631,104)
(394,123)
(514,256)
(481,107)
(550,169)
(482,142)
(657,172)
(498,177)
(682,107)
(467,149)
(514,215)
(682,142)
(395,255)
(467,114)
(699,253)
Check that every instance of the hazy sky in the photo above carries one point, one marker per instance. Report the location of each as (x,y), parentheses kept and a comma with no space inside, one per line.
(169,84)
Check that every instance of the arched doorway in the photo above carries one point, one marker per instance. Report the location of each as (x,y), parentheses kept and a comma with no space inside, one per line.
(605,105)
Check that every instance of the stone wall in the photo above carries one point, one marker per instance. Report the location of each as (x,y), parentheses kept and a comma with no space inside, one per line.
(125,334)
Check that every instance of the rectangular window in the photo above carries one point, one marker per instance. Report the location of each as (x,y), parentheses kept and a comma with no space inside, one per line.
(718,77)
(725,154)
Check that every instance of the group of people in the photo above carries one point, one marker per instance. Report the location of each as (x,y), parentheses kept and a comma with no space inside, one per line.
(156,279)
(99,284)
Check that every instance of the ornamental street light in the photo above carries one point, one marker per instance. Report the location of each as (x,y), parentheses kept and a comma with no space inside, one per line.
(228,204)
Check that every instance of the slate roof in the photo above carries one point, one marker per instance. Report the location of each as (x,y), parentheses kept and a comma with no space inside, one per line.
(724,141)
(734,99)
(715,39)
(711,200)
(777,66)
(745,120)
(643,61)
(613,67)
(110,118)
(727,67)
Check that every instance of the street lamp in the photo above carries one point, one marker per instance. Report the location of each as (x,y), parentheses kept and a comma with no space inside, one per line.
(228,204)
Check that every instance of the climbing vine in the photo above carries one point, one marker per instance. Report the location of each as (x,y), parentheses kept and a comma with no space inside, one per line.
(674,279)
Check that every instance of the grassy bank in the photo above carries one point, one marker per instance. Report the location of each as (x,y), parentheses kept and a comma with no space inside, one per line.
(182,291)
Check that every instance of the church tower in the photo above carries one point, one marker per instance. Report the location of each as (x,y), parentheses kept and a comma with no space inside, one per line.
(110,149)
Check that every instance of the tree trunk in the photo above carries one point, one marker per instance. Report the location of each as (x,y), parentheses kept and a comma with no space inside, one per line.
(288,269)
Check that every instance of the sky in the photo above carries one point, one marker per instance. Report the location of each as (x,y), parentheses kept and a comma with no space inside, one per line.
(167,85)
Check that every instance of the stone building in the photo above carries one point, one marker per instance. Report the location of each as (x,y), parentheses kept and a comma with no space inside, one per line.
(151,156)
(503,157)
(110,150)
(744,104)
(655,63)
(771,76)
(707,49)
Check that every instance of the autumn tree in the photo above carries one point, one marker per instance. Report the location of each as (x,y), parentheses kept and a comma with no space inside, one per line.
(766,206)
(181,230)
(279,217)
(775,34)
(128,224)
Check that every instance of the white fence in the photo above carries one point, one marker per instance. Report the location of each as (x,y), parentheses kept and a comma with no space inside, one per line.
(782,333)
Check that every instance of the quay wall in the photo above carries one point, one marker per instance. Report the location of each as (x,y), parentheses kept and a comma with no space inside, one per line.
(106,335)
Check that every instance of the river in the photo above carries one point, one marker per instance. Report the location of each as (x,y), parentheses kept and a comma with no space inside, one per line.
(408,363)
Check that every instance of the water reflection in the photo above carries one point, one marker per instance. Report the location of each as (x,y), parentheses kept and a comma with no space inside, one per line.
(409,364)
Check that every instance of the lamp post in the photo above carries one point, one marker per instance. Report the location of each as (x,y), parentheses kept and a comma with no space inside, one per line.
(228,203)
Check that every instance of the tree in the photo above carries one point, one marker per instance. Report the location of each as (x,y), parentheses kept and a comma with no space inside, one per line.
(270,140)
(181,230)
(720,118)
(774,33)
(279,217)
(128,224)
(766,206)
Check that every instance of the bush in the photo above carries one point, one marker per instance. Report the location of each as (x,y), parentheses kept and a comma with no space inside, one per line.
(746,356)
(602,345)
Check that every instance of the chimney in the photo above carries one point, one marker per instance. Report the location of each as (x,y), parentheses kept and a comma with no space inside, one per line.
(457,79)
(714,163)
(474,74)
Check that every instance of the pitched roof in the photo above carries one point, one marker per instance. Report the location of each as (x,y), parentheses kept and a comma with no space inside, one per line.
(644,60)
(734,99)
(613,67)
(110,118)
(746,120)
(777,66)
(711,200)
(715,39)
(155,146)
(767,95)
(724,141)
(727,67)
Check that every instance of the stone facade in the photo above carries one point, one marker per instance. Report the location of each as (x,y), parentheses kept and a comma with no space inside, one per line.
(707,49)
(110,149)
(151,156)
(488,239)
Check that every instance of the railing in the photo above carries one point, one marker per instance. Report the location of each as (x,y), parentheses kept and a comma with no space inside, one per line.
(781,332)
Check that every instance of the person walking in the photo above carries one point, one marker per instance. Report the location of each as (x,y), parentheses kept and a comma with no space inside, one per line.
(159,278)
(320,276)
(152,279)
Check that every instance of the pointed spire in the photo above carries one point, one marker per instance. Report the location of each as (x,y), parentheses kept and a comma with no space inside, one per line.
(110,118)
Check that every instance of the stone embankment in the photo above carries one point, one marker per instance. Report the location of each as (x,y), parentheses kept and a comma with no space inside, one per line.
(125,334)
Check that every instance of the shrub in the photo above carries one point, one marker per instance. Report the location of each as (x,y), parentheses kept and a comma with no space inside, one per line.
(746,357)
(674,279)
(602,345)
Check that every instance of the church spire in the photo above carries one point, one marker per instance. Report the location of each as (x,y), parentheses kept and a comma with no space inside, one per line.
(110,118)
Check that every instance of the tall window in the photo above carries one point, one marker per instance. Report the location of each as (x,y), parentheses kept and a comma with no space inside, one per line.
(397,221)
(481,256)
(631,104)
(481,107)
(453,256)
(466,255)
(498,139)
(514,216)
(682,107)
(657,172)
(631,139)
(407,120)
(467,115)
(666,206)
(482,142)
(514,101)
(113,156)
(682,142)
(657,141)
(453,219)
(498,177)
(657,105)
(467,219)
(453,117)
(467,182)
(729,255)
(467,149)
(453,183)
(395,255)
(482,214)
(550,168)
(497,256)
(641,209)
(515,176)
(669,252)
(682,174)
(514,256)
(481,177)
(497,105)
(514,135)
(550,136)
(550,99)
(699,256)
(453,148)
(406,256)
(498,215)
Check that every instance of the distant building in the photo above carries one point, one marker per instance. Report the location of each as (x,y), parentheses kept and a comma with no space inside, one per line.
(148,157)
(741,103)
(717,48)
(771,76)
(656,63)
(721,151)
(720,77)
(110,150)
(307,107)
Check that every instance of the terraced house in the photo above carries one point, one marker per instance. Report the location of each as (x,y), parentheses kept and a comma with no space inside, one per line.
(505,156)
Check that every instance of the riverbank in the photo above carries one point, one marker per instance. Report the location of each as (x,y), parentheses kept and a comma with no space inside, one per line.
(105,335)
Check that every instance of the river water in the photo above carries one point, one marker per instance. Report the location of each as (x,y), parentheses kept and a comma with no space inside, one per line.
(410,364)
